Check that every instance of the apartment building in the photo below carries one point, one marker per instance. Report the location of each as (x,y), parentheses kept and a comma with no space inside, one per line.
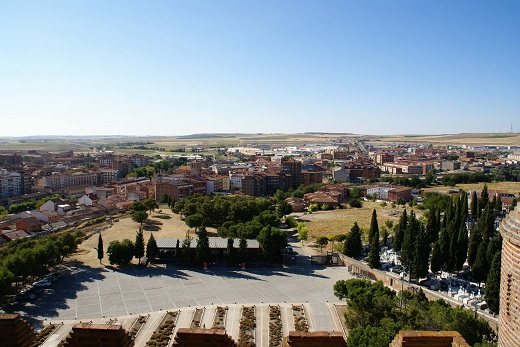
(65,180)
(254,185)
(14,184)
(179,190)
(293,168)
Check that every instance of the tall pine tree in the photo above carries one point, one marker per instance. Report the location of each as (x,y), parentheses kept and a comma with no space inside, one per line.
(422,254)
(374,260)
(374,228)
(100,253)
(408,249)
(462,247)
(431,227)
(139,245)
(353,241)
(152,250)
(492,295)
(400,231)
(474,204)
(475,238)
(436,260)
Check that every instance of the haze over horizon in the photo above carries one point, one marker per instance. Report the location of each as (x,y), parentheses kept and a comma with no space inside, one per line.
(168,68)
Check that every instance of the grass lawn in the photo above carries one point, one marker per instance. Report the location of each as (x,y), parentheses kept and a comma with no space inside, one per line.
(324,223)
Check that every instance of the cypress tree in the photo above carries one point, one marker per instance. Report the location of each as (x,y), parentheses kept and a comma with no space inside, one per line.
(422,254)
(494,246)
(100,253)
(436,261)
(494,202)
(498,205)
(431,227)
(474,204)
(480,268)
(453,250)
(230,252)
(374,228)
(492,295)
(400,231)
(474,240)
(242,249)
(152,250)
(408,248)
(139,245)
(488,230)
(353,241)
(462,247)
(444,244)
(203,250)
(177,250)
(484,200)
(373,256)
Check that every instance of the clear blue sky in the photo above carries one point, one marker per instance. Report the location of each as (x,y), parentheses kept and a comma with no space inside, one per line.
(180,67)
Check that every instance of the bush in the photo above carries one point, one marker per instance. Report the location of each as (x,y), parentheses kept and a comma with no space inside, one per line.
(121,253)
(355,202)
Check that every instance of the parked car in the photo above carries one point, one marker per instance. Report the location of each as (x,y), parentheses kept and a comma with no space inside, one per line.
(42,283)
(25,295)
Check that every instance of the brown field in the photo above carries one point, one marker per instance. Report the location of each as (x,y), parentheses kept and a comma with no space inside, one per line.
(452,139)
(325,223)
(163,225)
(79,144)
(511,187)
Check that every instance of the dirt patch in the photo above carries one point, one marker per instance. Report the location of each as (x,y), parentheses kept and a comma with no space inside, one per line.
(325,223)
(163,225)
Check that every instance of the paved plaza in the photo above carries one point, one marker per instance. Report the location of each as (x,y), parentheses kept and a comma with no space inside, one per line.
(89,293)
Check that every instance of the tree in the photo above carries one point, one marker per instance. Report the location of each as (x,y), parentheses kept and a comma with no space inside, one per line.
(408,248)
(152,250)
(195,221)
(498,204)
(139,245)
(422,254)
(303,232)
(374,227)
(120,252)
(177,250)
(492,295)
(313,207)
(230,251)
(480,267)
(355,203)
(431,227)
(3,213)
(353,242)
(374,260)
(242,249)
(436,260)
(322,241)
(186,246)
(150,204)
(462,247)
(283,209)
(484,200)
(100,248)
(400,231)
(139,216)
(474,204)
(271,241)
(6,280)
(475,238)
(203,250)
